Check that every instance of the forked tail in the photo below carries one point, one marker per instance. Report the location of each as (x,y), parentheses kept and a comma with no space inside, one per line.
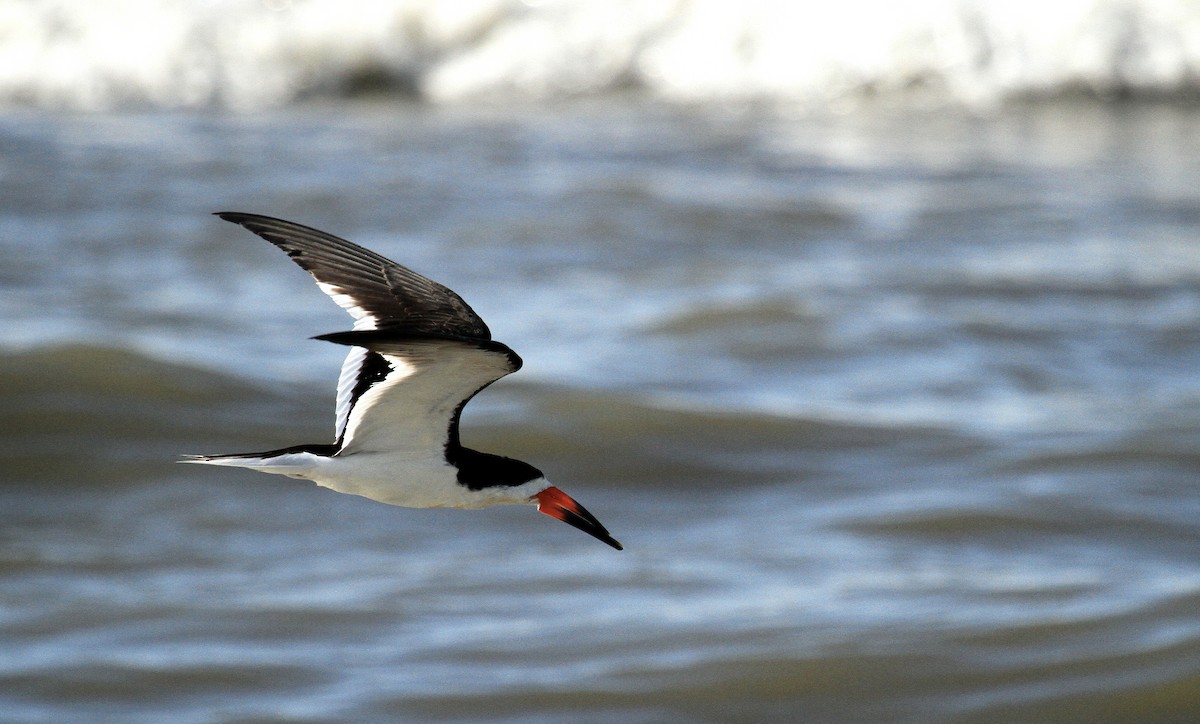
(294,462)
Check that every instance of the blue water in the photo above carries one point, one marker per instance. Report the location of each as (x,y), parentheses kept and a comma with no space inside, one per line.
(894,411)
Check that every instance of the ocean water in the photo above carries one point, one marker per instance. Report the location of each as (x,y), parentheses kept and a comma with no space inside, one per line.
(892,398)
(251,54)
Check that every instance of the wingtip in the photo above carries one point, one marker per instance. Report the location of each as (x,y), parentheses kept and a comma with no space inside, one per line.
(346,338)
(235,217)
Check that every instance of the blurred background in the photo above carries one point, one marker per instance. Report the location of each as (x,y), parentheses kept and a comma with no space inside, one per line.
(871,329)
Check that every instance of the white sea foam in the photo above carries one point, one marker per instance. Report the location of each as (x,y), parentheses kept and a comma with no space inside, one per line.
(262,53)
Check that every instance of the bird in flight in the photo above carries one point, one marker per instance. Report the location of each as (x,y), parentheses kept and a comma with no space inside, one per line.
(418,354)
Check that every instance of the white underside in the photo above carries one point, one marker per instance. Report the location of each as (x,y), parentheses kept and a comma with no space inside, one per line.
(388,478)
(393,437)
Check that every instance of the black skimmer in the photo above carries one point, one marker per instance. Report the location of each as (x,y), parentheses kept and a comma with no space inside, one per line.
(418,355)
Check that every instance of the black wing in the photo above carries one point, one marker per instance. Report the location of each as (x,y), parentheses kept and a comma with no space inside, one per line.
(376,291)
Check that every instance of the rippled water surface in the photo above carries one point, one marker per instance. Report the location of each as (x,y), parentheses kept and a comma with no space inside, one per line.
(896,413)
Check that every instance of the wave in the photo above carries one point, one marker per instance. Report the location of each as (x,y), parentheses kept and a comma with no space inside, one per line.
(99,414)
(85,414)
(247,54)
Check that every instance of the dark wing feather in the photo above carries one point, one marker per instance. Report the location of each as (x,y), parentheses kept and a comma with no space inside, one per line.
(378,292)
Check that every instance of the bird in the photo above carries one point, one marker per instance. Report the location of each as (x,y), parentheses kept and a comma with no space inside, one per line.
(418,354)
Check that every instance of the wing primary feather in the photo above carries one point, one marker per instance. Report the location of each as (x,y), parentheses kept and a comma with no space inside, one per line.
(366,284)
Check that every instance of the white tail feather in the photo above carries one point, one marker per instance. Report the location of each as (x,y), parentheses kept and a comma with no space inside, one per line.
(294,465)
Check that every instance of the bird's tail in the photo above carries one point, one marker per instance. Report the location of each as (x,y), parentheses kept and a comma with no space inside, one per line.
(294,462)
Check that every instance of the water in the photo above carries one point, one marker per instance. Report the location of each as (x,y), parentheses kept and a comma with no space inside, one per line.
(895,414)
(892,404)
(251,54)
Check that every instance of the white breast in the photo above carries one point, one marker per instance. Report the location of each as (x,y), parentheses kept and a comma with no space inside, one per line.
(413,483)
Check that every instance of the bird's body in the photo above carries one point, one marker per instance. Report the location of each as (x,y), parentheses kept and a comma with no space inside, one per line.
(418,354)
(409,481)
